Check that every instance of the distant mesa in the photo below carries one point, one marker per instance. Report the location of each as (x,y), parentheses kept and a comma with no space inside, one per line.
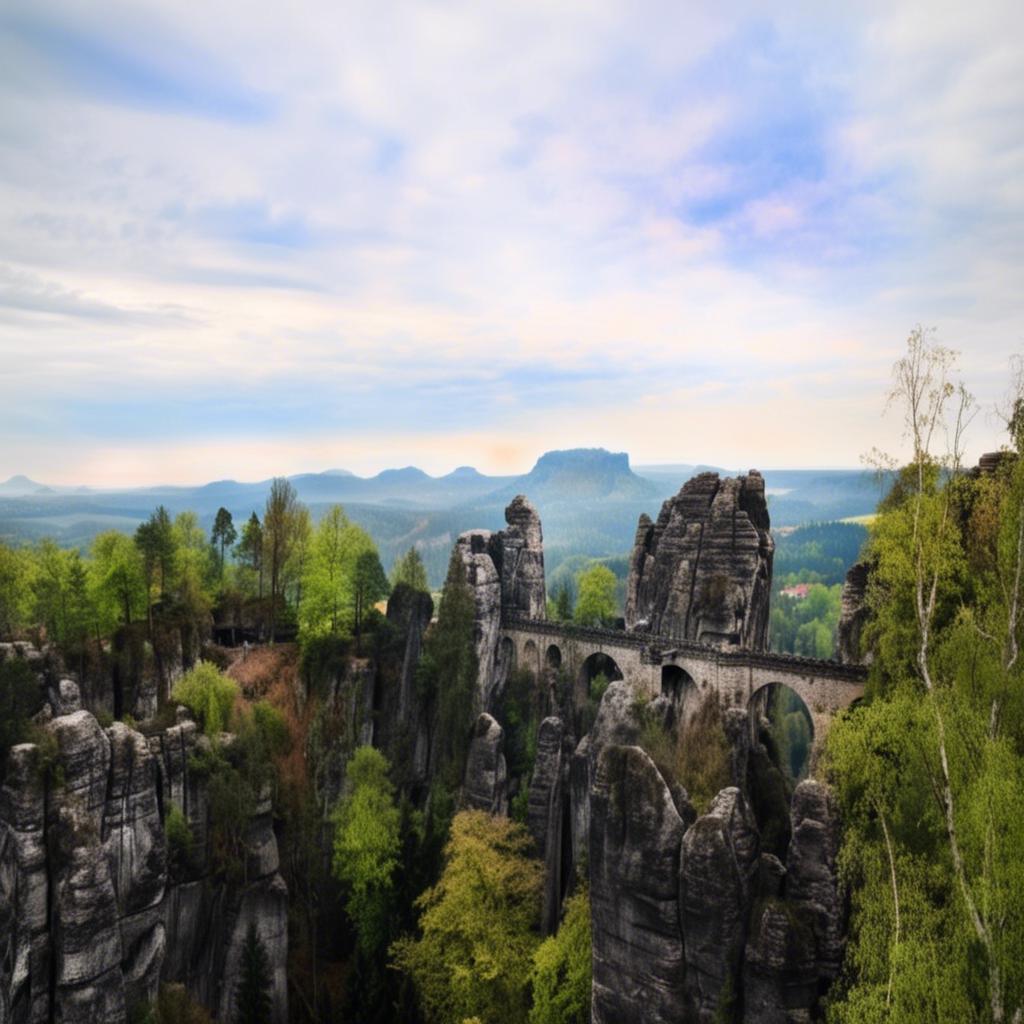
(583,473)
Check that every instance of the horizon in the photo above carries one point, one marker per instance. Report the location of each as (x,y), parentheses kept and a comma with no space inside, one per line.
(238,241)
(635,466)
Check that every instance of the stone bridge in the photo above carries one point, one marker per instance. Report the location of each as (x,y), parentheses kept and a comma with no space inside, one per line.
(681,669)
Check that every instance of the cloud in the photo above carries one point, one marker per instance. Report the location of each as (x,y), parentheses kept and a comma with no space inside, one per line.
(458,222)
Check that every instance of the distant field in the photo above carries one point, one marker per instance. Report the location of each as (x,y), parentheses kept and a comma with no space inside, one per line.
(865,520)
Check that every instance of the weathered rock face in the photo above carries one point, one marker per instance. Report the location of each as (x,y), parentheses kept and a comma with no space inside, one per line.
(405,731)
(616,723)
(853,614)
(410,610)
(703,570)
(90,919)
(486,783)
(544,814)
(796,943)
(634,870)
(717,874)
(24,887)
(505,571)
(521,550)
(482,576)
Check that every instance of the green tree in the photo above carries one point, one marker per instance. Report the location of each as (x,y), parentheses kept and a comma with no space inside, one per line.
(193,571)
(51,586)
(563,603)
(15,589)
(561,968)
(300,554)
(595,605)
(156,543)
(409,569)
(209,695)
(369,585)
(279,531)
(929,770)
(223,535)
(367,846)
(20,699)
(253,1003)
(328,583)
(119,581)
(475,952)
(250,550)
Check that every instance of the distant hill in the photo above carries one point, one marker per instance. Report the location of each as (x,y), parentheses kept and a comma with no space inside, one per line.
(20,485)
(589,500)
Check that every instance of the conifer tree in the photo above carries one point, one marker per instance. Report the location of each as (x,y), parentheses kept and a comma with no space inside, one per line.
(252,997)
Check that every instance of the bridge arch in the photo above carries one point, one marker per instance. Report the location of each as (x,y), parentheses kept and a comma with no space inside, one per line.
(679,687)
(780,711)
(596,664)
(531,657)
(553,657)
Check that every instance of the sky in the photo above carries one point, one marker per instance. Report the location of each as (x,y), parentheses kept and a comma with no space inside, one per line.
(248,239)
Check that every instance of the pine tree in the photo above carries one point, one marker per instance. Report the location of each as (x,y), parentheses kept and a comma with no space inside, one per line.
(223,535)
(252,996)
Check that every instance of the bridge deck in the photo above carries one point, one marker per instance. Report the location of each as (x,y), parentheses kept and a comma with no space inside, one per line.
(658,646)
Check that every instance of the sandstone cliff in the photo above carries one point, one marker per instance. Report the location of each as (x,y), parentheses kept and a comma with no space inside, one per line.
(97,919)
(703,571)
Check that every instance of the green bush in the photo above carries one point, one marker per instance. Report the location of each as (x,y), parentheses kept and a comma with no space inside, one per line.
(694,754)
(20,698)
(179,840)
(209,695)
(561,969)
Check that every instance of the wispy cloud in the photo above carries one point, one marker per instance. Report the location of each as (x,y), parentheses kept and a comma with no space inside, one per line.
(376,226)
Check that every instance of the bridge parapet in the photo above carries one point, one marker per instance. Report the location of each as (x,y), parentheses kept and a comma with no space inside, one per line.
(658,648)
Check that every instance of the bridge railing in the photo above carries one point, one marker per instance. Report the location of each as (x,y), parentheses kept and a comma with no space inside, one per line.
(655,648)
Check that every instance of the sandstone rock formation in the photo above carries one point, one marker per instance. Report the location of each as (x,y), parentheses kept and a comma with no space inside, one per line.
(796,942)
(505,571)
(853,614)
(521,562)
(616,723)
(717,873)
(545,804)
(634,892)
(92,918)
(485,786)
(703,570)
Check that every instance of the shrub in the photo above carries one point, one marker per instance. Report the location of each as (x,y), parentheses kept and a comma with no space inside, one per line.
(20,698)
(179,840)
(175,1006)
(209,695)
(561,969)
(694,754)
(477,940)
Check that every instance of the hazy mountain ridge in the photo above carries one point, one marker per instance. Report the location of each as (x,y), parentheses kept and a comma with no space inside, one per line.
(589,500)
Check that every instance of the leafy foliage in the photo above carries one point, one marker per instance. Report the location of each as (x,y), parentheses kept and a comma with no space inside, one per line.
(367,845)
(252,997)
(179,840)
(474,954)
(209,695)
(596,604)
(694,753)
(409,569)
(562,968)
(20,699)
(930,769)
